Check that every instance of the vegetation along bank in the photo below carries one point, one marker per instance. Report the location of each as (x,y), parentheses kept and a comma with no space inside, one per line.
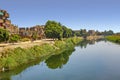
(114,38)
(10,59)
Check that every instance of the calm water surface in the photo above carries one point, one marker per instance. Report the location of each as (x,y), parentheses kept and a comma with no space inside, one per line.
(93,61)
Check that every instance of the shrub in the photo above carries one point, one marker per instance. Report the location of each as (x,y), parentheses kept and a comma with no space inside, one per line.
(4,35)
(14,38)
(60,44)
(114,38)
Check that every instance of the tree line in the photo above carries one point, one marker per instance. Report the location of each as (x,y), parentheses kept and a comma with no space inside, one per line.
(54,30)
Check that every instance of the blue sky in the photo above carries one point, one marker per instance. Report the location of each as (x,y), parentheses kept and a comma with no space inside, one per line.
(76,14)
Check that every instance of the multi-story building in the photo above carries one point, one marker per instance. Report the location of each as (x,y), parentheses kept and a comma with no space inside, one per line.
(4,22)
(91,32)
(29,31)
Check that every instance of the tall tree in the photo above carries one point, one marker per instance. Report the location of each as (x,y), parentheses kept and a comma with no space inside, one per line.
(53,30)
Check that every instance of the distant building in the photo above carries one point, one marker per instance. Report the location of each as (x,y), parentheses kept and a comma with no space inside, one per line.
(91,32)
(6,24)
(23,32)
(28,32)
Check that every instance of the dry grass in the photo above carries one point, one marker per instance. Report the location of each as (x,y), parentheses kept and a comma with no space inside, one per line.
(26,44)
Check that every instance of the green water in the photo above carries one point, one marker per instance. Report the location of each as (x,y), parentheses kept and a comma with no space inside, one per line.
(89,61)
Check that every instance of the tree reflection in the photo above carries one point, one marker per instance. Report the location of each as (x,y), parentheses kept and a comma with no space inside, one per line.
(91,42)
(84,43)
(57,61)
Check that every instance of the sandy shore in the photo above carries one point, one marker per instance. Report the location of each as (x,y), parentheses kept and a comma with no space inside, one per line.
(24,44)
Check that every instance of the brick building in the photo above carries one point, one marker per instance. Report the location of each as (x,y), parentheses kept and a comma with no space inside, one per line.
(5,23)
(29,31)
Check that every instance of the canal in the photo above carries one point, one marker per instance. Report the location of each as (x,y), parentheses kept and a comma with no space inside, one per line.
(98,60)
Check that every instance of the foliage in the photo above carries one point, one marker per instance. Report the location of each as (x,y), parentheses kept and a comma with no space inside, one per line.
(8,62)
(107,33)
(114,38)
(4,35)
(20,56)
(77,33)
(74,40)
(14,38)
(66,32)
(57,61)
(53,30)
(60,44)
(83,33)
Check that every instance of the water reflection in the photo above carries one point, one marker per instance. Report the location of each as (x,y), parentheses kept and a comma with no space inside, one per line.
(84,43)
(57,61)
(8,74)
(53,62)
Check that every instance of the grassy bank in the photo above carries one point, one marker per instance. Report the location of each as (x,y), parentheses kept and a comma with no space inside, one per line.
(114,38)
(52,62)
(19,56)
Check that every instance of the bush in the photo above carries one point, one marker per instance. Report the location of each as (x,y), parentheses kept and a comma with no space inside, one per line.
(114,38)
(60,44)
(14,38)
(8,62)
(4,35)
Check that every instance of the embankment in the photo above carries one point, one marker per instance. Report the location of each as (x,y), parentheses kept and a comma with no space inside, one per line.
(94,37)
(12,58)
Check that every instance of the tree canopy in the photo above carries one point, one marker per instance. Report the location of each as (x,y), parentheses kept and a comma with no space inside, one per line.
(66,32)
(14,38)
(53,30)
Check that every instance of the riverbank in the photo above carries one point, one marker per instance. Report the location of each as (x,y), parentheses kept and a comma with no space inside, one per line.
(96,37)
(11,58)
(114,38)
(27,44)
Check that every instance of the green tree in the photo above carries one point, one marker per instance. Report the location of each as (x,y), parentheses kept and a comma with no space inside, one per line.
(66,32)
(107,33)
(83,33)
(4,35)
(14,38)
(53,30)
(98,32)
(77,33)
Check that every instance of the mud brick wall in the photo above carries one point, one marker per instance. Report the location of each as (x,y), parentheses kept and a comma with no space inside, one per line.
(4,22)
